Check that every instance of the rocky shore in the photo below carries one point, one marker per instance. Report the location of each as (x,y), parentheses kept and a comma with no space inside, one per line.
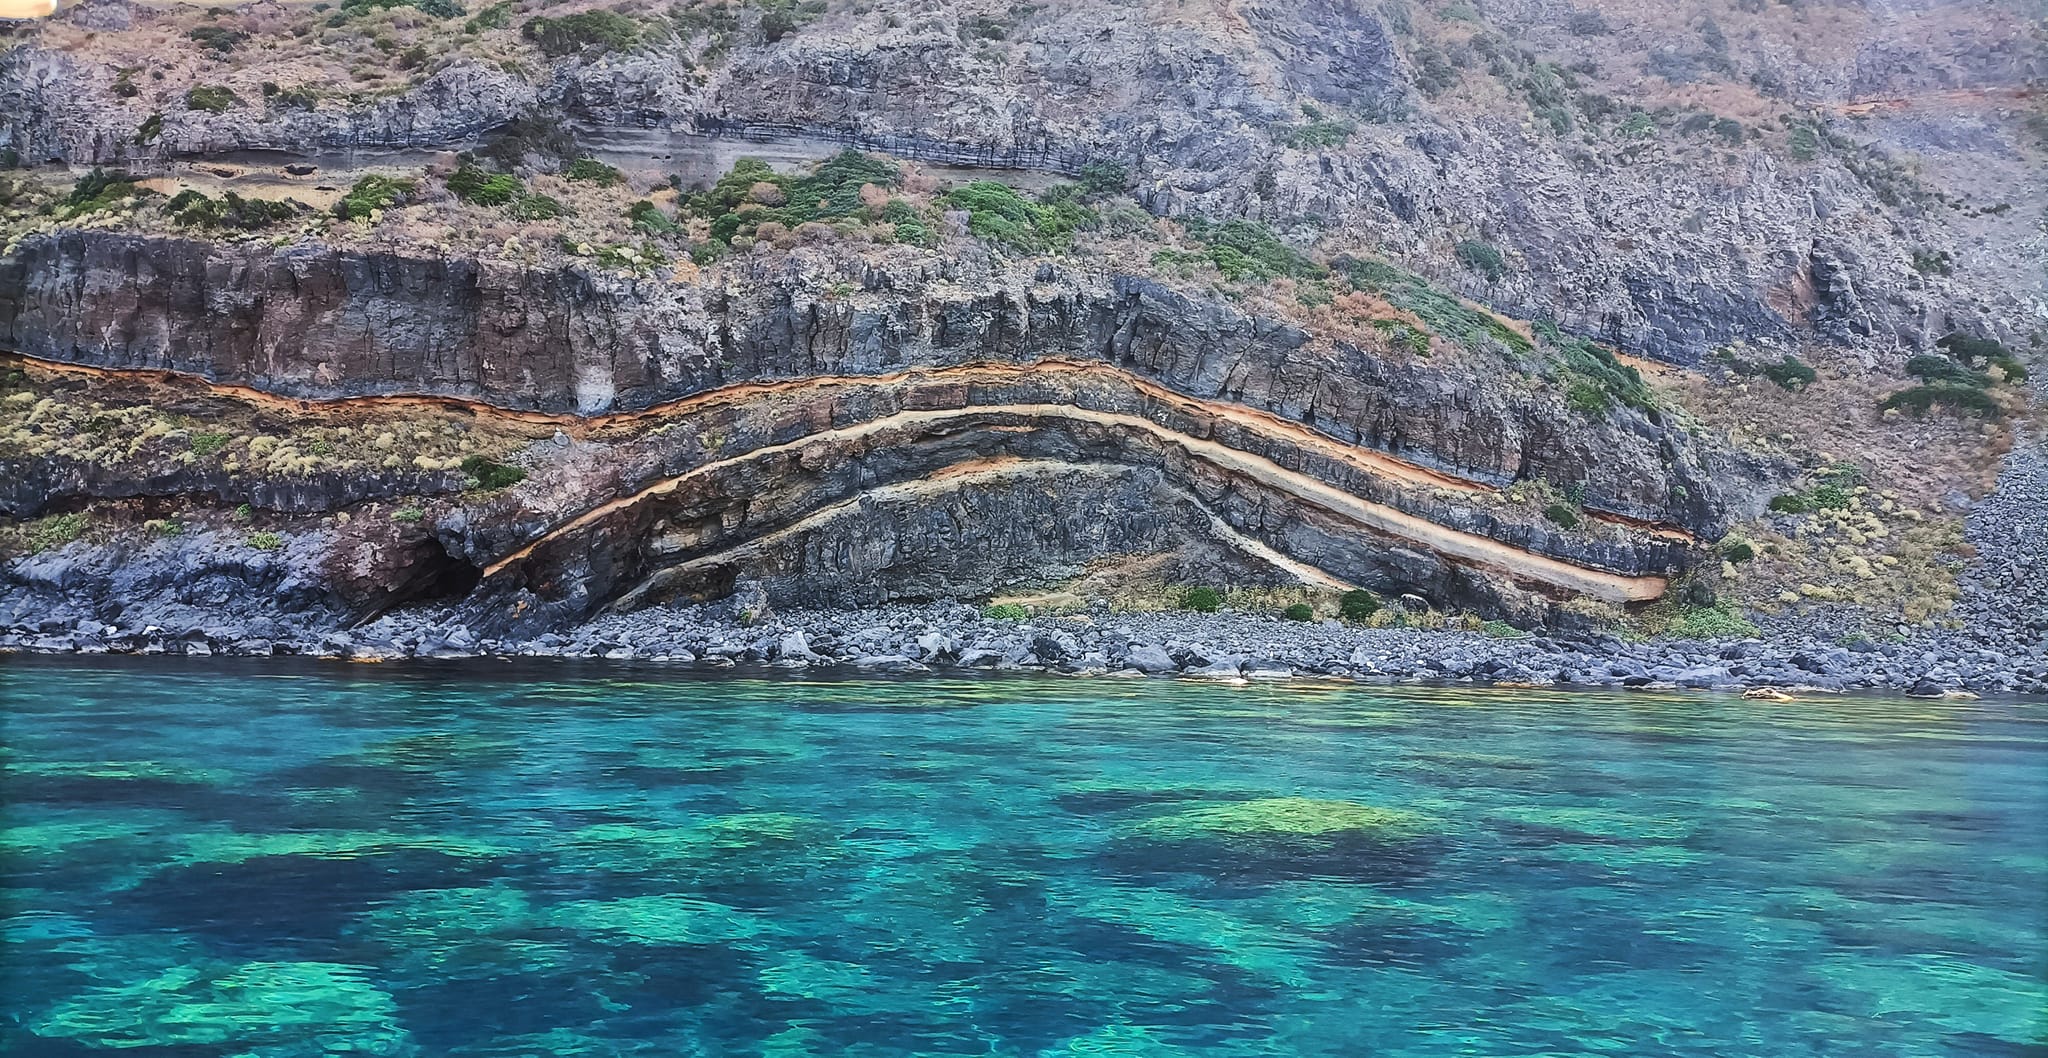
(1099,642)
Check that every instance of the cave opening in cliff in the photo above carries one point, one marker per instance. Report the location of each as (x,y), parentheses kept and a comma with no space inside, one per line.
(438,576)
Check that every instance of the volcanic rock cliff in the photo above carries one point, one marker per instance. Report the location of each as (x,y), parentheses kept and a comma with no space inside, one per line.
(1345,295)
(779,431)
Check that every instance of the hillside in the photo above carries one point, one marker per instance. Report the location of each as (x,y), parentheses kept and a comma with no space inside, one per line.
(1659,320)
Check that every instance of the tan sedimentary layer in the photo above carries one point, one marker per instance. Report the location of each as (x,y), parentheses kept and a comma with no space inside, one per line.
(1469,548)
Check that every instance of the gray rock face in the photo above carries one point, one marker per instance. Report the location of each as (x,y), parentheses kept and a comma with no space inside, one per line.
(310,322)
(53,109)
(1662,249)
(1151,659)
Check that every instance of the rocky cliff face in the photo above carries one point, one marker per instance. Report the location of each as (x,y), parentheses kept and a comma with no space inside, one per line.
(829,444)
(314,323)
(1670,238)
(860,423)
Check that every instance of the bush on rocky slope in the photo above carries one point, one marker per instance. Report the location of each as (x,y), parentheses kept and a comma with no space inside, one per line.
(371,194)
(195,209)
(753,194)
(213,99)
(479,186)
(585,31)
(998,214)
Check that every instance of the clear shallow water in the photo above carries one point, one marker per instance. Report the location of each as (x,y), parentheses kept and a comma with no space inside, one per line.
(275,861)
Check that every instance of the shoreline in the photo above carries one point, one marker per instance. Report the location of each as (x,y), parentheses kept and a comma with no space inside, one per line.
(1230,646)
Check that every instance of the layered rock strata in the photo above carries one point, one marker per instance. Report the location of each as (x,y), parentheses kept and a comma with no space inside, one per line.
(865,448)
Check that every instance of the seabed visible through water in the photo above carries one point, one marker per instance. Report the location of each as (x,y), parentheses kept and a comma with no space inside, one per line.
(270,860)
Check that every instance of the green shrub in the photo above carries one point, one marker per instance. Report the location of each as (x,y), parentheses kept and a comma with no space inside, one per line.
(490,474)
(830,191)
(629,258)
(535,132)
(1933,262)
(1563,514)
(1404,335)
(1501,630)
(54,531)
(475,184)
(538,207)
(1955,398)
(212,98)
(1318,131)
(152,127)
(780,18)
(1445,313)
(1202,600)
(596,31)
(1930,368)
(297,97)
(915,233)
(1804,142)
(1005,611)
(1242,249)
(436,8)
(1790,373)
(1586,397)
(265,541)
(98,190)
(206,444)
(1969,348)
(408,515)
(1710,622)
(590,170)
(648,217)
(1739,552)
(371,193)
(1596,379)
(1104,177)
(1300,611)
(1357,605)
(220,39)
(1482,258)
(1824,497)
(195,210)
(496,16)
(996,213)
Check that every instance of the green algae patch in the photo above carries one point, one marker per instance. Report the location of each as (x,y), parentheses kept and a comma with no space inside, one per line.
(59,838)
(814,978)
(218,847)
(1623,858)
(469,933)
(117,771)
(659,920)
(1599,823)
(1227,939)
(752,829)
(721,842)
(442,914)
(435,752)
(1942,993)
(1121,1041)
(1284,817)
(263,1007)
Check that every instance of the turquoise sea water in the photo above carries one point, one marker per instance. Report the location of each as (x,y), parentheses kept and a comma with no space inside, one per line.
(481,860)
